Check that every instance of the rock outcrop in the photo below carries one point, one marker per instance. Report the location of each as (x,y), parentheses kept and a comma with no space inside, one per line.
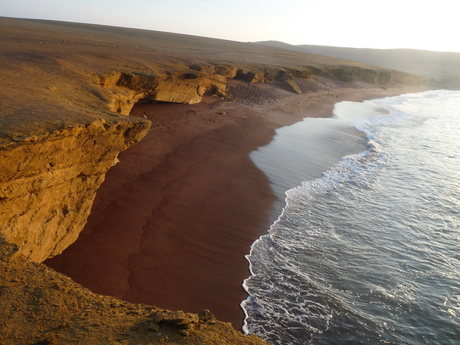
(48,183)
(189,83)
(187,87)
(288,83)
(181,86)
(41,306)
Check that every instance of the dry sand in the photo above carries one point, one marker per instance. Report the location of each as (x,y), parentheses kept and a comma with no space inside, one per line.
(174,219)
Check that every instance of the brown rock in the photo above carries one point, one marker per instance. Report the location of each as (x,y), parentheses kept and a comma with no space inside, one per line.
(290,85)
(154,327)
(201,90)
(285,76)
(180,318)
(157,317)
(184,332)
(206,316)
(48,182)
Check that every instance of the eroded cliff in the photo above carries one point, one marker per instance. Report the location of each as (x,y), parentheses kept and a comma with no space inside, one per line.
(190,83)
(183,86)
(48,183)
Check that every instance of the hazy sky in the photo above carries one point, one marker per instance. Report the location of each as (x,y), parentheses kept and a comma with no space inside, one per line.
(431,25)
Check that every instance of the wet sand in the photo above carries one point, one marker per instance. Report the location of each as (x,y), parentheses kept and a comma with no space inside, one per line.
(174,219)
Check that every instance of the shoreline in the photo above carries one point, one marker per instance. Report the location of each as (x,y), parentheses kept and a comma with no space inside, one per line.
(173,221)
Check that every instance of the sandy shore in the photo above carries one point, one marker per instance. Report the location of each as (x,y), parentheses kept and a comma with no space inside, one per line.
(174,219)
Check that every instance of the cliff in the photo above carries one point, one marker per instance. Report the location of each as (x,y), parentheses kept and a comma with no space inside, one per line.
(48,182)
(66,93)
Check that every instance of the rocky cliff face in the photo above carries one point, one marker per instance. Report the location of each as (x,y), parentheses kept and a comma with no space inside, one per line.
(48,183)
(183,86)
(188,85)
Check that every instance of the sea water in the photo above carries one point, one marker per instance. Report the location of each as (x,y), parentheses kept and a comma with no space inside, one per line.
(368,252)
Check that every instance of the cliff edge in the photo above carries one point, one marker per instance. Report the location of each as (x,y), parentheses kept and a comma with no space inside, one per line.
(66,94)
(40,306)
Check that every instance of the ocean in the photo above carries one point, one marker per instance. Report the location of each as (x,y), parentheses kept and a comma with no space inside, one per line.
(365,242)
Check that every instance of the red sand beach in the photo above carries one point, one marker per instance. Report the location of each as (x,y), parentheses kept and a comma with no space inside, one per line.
(174,219)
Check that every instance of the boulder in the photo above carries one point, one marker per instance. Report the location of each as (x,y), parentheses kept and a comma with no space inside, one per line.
(290,85)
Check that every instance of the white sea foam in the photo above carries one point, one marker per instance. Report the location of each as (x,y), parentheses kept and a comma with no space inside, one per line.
(372,238)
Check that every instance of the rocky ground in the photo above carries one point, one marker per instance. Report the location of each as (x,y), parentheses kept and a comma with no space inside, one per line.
(40,306)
